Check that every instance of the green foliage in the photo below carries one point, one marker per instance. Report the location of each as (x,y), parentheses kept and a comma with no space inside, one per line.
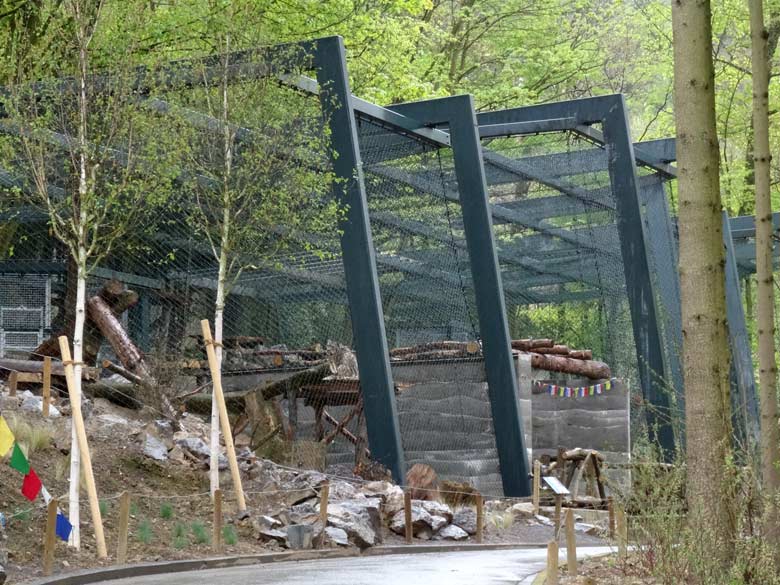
(180,539)
(133,508)
(103,505)
(145,531)
(166,511)
(229,535)
(200,533)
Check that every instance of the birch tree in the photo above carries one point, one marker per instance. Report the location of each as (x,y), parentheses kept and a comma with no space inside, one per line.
(702,288)
(86,152)
(256,163)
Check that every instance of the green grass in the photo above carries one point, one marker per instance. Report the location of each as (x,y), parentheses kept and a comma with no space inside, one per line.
(103,505)
(200,533)
(133,509)
(22,515)
(31,437)
(229,535)
(180,539)
(145,533)
(166,511)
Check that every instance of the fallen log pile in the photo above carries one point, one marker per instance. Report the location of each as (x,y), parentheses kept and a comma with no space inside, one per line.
(545,355)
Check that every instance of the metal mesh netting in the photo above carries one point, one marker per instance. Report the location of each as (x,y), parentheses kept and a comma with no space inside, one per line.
(428,296)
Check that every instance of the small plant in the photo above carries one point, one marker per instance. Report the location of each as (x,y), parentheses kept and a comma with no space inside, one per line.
(180,539)
(133,509)
(145,532)
(166,511)
(229,535)
(103,505)
(23,515)
(31,437)
(200,533)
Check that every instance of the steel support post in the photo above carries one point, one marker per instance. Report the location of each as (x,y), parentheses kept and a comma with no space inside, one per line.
(744,402)
(663,245)
(368,325)
(458,113)
(635,251)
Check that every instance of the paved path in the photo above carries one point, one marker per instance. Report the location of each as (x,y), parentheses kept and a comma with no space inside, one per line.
(503,567)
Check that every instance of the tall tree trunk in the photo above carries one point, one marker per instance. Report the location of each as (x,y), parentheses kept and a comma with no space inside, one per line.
(767,366)
(702,288)
(219,321)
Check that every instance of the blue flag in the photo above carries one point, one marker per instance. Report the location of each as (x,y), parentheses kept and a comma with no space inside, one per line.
(63,527)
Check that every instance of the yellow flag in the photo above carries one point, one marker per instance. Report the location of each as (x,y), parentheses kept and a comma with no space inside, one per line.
(6,438)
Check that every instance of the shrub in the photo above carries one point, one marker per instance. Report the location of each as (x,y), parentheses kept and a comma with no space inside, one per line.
(200,533)
(229,535)
(166,511)
(31,437)
(145,531)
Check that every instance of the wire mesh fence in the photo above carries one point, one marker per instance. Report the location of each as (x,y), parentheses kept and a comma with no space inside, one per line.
(242,228)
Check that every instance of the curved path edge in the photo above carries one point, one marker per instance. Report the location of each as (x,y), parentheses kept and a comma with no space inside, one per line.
(88,576)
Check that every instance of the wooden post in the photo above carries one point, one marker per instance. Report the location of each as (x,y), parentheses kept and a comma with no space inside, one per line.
(13,381)
(124,522)
(86,459)
(46,386)
(552,563)
(50,540)
(571,543)
(622,532)
(408,516)
(558,505)
(224,421)
(324,495)
(216,536)
(537,484)
(480,517)
(611,511)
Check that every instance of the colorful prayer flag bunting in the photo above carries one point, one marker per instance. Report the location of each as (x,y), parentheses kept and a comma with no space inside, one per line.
(63,527)
(576,392)
(6,438)
(31,486)
(19,461)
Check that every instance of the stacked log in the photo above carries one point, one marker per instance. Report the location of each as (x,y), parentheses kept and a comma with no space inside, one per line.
(545,355)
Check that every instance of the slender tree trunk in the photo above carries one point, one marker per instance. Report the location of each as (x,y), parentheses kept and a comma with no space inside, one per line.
(765,321)
(702,288)
(219,318)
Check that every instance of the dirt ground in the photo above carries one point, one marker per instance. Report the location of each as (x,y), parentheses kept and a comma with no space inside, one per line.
(170,506)
(609,570)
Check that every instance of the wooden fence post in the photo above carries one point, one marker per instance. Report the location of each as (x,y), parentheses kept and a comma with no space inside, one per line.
(571,543)
(13,381)
(480,517)
(324,495)
(224,421)
(622,532)
(86,459)
(124,524)
(50,539)
(557,518)
(552,563)
(537,485)
(216,536)
(408,516)
(611,511)
(46,397)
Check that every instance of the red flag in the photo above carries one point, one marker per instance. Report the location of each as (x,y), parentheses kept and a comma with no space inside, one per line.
(31,486)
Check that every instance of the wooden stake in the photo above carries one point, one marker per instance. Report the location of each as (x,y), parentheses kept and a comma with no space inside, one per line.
(324,495)
(480,517)
(408,516)
(571,543)
(86,460)
(558,505)
(537,484)
(124,523)
(13,381)
(622,532)
(611,511)
(50,540)
(224,421)
(552,563)
(46,386)
(216,537)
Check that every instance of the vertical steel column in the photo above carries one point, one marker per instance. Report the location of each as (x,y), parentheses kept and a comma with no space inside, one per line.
(745,404)
(459,113)
(634,249)
(368,324)
(663,245)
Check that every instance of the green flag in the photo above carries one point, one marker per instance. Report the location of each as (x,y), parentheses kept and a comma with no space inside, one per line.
(19,461)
